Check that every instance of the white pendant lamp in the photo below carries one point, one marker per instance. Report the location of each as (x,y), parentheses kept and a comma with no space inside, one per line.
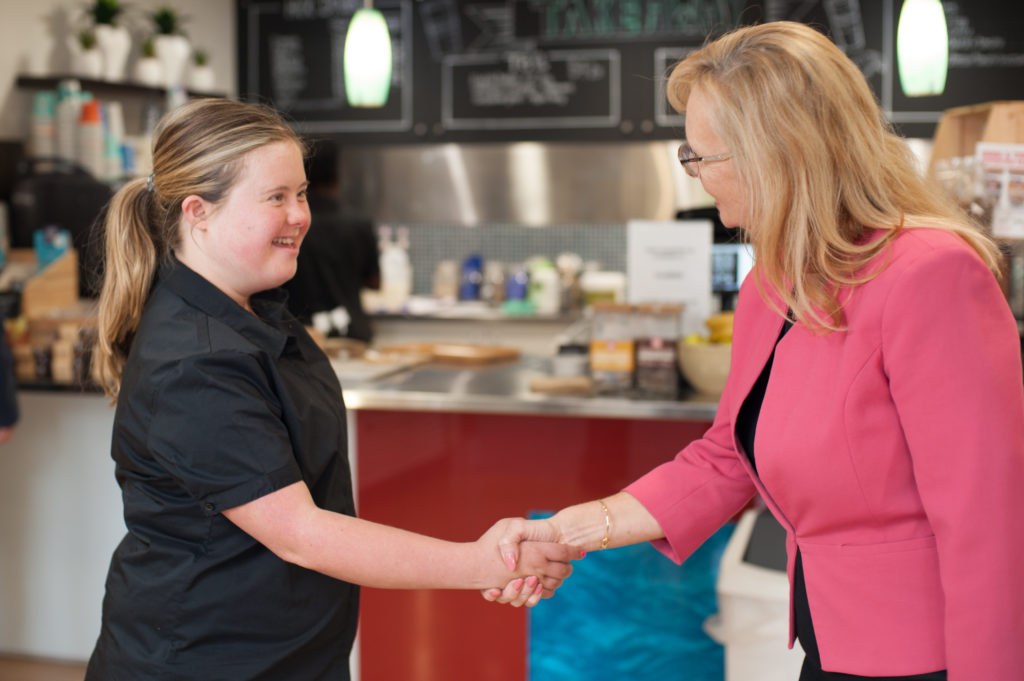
(922,48)
(367,58)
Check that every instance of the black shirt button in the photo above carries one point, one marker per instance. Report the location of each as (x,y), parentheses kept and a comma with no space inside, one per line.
(209,507)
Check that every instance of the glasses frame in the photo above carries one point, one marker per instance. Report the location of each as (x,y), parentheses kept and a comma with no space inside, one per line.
(691,162)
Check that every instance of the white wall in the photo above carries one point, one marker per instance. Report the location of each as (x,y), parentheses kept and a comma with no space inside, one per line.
(40,28)
(60,519)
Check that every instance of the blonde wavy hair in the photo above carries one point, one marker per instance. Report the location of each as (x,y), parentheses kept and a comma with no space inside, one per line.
(198,149)
(821,164)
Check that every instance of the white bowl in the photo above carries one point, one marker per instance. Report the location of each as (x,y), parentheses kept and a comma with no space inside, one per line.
(705,366)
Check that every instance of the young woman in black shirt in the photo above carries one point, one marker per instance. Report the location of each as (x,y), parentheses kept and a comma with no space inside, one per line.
(243,552)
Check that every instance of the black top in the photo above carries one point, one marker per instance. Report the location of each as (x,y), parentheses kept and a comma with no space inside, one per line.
(8,386)
(746,428)
(217,408)
(337,260)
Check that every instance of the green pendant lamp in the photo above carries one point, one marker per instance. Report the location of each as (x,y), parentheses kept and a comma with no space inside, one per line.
(367,59)
(922,48)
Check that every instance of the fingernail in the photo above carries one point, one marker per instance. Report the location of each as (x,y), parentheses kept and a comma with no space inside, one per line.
(531,580)
(518,584)
(510,561)
(583,554)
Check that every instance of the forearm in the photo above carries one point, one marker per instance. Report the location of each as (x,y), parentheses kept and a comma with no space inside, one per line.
(362,552)
(626,522)
(374,555)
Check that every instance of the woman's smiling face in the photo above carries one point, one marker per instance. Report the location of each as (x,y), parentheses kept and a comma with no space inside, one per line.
(250,241)
(719,178)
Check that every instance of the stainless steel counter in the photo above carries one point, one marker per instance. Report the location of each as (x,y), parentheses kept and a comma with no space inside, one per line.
(504,389)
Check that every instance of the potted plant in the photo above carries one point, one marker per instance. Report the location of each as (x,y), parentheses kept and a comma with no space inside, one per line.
(148,69)
(113,40)
(172,45)
(201,77)
(86,59)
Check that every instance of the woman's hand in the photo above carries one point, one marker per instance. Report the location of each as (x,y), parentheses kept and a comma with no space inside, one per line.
(520,592)
(511,532)
(529,552)
(528,591)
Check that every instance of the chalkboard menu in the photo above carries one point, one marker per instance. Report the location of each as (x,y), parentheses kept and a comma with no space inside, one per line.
(556,70)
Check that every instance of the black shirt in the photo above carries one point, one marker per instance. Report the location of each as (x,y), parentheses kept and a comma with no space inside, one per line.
(8,386)
(219,407)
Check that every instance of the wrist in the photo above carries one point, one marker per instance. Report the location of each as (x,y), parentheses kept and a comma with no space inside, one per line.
(586,525)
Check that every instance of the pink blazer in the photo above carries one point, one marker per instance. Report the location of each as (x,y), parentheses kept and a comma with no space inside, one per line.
(893,454)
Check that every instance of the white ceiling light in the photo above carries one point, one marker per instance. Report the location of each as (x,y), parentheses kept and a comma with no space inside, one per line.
(922,48)
(367,58)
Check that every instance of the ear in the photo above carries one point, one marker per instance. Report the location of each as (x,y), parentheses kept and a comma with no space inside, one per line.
(194,209)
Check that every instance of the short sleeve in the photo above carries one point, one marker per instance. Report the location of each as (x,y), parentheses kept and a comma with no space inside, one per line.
(217,429)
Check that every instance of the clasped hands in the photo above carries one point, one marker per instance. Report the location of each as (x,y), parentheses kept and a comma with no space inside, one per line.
(534,553)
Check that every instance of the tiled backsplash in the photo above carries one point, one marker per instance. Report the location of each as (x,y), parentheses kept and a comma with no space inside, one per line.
(510,244)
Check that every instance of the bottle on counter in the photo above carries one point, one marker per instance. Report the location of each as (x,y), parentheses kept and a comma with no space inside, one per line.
(395,271)
(472,277)
(492,290)
(446,280)
(516,283)
(43,137)
(91,144)
(68,112)
(113,142)
(545,287)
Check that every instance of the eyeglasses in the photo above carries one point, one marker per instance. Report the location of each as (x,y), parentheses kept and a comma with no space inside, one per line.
(691,161)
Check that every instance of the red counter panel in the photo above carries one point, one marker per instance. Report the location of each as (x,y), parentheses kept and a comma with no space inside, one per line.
(451,475)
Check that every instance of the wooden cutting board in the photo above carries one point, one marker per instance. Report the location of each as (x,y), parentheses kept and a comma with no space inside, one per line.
(456,353)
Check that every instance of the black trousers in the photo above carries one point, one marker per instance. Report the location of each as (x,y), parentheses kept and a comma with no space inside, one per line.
(812,672)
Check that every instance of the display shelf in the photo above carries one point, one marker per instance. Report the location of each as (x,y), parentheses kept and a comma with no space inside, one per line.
(104,87)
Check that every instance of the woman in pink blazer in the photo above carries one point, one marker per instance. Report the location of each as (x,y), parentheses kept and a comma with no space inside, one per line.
(875,402)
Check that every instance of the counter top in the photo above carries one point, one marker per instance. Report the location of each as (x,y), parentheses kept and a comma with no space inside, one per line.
(496,389)
(504,389)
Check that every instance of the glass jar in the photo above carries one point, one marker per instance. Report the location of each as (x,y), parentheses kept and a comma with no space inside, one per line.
(612,357)
(657,341)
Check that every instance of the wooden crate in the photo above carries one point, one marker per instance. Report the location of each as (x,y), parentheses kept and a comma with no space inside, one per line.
(52,289)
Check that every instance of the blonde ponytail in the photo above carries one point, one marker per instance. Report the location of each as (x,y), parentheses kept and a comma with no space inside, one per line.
(130,262)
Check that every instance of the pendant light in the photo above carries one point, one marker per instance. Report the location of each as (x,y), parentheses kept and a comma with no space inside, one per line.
(922,48)
(367,58)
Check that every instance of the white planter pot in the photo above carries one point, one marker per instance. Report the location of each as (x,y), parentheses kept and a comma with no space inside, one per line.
(201,78)
(86,63)
(149,71)
(114,43)
(173,52)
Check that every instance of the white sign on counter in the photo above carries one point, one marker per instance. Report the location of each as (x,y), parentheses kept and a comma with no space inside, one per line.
(1003,168)
(670,262)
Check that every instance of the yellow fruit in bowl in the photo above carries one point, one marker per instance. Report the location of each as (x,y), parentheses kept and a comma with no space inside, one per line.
(694,339)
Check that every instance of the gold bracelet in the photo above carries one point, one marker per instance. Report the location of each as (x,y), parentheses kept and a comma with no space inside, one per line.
(607,524)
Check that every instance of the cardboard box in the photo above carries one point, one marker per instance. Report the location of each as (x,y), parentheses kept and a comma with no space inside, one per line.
(961,128)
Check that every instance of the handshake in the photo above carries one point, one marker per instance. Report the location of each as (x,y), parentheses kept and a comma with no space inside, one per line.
(538,554)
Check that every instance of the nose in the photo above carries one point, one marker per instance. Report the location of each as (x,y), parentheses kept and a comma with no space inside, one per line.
(298,213)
